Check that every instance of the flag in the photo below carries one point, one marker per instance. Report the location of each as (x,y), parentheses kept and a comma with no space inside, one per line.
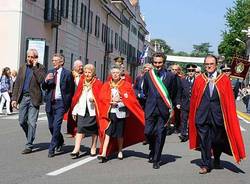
(144,54)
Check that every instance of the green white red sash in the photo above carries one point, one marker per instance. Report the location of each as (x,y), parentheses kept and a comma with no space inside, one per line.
(161,88)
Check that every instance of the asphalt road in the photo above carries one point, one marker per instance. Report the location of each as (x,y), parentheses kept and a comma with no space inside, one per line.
(179,164)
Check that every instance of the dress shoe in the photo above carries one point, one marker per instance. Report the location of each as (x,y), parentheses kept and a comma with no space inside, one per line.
(145,142)
(102,159)
(204,170)
(217,164)
(183,138)
(50,155)
(120,155)
(74,155)
(93,153)
(156,165)
(27,151)
(59,148)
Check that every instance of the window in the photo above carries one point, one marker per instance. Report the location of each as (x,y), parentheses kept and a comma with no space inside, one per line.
(97,26)
(104,35)
(90,22)
(74,11)
(71,60)
(116,41)
(64,8)
(83,16)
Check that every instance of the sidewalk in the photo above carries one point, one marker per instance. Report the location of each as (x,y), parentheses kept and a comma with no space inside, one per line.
(241,110)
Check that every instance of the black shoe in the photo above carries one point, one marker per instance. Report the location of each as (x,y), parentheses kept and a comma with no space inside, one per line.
(50,155)
(217,164)
(102,159)
(145,142)
(27,151)
(150,157)
(74,155)
(59,148)
(156,165)
(183,138)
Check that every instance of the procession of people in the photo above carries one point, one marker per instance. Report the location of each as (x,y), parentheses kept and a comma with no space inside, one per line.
(117,113)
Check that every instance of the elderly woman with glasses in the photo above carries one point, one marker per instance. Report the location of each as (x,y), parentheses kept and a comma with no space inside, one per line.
(121,116)
(85,105)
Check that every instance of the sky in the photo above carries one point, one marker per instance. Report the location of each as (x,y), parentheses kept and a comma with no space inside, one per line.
(183,23)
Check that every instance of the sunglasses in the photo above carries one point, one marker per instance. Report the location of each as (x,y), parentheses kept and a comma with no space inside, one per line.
(157,62)
(191,70)
(227,70)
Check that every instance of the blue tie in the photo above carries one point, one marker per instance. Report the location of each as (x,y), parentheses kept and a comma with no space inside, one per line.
(211,85)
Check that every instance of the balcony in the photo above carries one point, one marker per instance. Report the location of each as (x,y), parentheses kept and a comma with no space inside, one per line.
(53,16)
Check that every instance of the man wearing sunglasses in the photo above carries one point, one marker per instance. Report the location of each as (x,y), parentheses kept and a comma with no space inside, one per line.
(213,123)
(185,92)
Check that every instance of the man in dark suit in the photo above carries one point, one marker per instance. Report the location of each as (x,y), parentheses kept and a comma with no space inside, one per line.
(28,94)
(159,89)
(185,94)
(59,86)
(213,121)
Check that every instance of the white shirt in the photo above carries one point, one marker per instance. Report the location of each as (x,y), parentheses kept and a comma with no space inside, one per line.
(120,109)
(58,94)
(83,102)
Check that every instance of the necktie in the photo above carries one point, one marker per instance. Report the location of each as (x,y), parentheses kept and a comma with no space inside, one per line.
(54,90)
(211,85)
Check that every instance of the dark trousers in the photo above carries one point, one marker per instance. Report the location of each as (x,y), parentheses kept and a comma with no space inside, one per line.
(55,118)
(184,124)
(212,137)
(155,132)
(177,118)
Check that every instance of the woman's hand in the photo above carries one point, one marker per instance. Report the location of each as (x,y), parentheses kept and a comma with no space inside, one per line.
(74,117)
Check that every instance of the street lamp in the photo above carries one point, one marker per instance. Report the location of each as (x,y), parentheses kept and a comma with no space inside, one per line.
(239,40)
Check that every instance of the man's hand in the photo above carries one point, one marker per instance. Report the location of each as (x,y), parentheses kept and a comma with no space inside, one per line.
(14,104)
(178,106)
(35,61)
(49,77)
(74,117)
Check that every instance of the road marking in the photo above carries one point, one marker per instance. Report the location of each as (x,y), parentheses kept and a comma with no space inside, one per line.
(72,166)
(243,119)
(242,129)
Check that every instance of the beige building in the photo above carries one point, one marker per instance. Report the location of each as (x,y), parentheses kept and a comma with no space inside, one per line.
(96,31)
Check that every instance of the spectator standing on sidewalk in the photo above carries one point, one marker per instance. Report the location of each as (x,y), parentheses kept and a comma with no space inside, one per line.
(28,94)
(5,87)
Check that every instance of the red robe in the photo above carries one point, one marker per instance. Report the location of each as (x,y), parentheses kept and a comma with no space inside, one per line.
(231,122)
(134,123)
(96,87)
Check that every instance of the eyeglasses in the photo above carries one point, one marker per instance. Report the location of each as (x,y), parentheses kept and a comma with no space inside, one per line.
(198,72)
(227,70)
(157,62)
(191,70)
(209,64)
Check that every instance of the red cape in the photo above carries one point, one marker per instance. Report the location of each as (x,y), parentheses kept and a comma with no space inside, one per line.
(231,122)
(127,78)
(96,87)
(134,123)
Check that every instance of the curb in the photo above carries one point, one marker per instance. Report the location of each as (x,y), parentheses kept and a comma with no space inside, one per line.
(243,115)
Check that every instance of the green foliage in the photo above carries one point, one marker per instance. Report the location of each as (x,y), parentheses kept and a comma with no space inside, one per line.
(181,53)
(201,50)
(237,19)
(161,45)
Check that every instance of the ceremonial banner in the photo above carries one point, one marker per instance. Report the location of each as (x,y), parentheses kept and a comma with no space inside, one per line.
(239,68)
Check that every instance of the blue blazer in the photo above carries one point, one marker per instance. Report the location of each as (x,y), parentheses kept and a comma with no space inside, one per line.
(67,86)
(153,97)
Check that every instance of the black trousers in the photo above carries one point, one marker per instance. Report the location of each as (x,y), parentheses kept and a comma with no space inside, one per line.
(212,138)
(155,132)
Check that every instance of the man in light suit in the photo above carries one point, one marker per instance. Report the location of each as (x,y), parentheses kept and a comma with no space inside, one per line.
(59,86)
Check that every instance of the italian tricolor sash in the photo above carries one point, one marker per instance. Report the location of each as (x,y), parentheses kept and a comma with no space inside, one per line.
(161,89)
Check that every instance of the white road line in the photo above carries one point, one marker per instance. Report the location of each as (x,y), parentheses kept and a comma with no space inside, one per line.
(242,129)
(241,118)
(72,166)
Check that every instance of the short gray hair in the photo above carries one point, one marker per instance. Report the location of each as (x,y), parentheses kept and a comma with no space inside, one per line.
(90,67)
(115,66)
(77,62)
(34,51)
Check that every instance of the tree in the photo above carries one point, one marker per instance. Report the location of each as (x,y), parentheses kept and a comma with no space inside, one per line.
(201,50)
(161,45)
(237,19)
(181,53)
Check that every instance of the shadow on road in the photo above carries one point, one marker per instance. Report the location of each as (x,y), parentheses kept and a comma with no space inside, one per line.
(225,164)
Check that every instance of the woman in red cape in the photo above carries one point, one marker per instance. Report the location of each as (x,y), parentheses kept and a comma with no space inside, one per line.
(83,111)
(231,122)
(134,123)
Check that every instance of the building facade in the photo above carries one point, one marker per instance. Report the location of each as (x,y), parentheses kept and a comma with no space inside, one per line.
(95,31)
